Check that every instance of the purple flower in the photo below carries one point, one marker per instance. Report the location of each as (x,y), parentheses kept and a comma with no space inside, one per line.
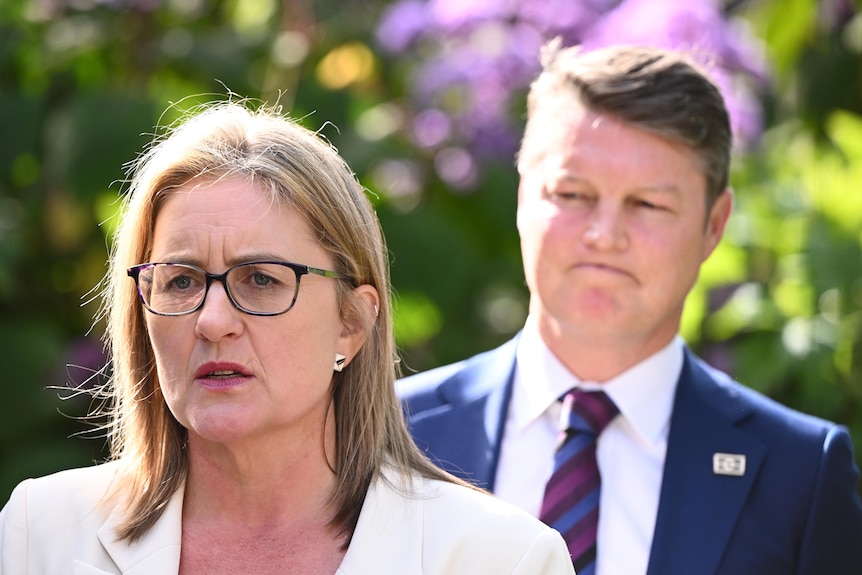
(565,18)
(431,128)
(455,15)
(743,107)
(474,87)
(699,28)
(835,14)
(478,57)
(456,167)
(401,24)
(137,5)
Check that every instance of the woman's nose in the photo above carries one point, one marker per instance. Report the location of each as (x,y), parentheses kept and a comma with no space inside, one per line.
(217,317)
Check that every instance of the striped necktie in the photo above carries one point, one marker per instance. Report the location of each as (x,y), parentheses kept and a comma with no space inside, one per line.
(571,502)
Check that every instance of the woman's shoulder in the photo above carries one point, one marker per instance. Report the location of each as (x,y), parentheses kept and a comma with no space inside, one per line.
(74,492)
(451,500)
(466,530)
(51,521)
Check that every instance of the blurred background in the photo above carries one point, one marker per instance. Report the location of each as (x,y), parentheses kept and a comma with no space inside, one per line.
(425,100)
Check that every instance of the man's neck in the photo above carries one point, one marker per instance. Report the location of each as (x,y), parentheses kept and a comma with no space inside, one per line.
(597,359)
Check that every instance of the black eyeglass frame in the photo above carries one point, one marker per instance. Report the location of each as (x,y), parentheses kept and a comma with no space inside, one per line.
(300,270)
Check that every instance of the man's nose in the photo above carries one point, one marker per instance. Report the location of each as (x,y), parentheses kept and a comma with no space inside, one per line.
(606,229)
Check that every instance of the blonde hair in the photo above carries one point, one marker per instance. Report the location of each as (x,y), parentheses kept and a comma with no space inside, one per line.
(299,170)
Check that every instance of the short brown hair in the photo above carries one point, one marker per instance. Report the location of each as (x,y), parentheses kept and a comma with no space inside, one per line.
(654,89)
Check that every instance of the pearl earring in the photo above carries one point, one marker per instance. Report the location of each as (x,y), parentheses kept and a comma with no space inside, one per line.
(339,361)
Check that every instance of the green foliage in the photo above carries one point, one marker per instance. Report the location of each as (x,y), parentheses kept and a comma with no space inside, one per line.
(81,88)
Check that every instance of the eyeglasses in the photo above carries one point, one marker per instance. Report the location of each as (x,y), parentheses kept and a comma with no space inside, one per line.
(256,288)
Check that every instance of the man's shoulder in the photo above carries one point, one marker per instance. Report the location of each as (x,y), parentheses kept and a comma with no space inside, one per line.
(476,375)
(758,410)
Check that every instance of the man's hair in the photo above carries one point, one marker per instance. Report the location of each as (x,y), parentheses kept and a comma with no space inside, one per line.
(657,90)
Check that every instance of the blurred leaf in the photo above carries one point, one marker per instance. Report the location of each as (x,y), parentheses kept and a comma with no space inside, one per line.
(82,84)
(845,129)
(33,347)
(417,319)
(91,140)
(786,25)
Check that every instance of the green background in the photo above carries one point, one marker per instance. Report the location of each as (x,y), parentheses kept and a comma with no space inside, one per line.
(82,85)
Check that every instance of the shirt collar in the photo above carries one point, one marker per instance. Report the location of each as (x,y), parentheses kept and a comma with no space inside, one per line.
(643,393)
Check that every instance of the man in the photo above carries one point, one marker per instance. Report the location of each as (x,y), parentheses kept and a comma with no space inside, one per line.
(623,194)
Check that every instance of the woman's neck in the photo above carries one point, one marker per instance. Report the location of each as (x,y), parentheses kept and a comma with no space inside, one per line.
(259,481)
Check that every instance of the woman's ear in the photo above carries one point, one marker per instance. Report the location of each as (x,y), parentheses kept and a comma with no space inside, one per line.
(360,314)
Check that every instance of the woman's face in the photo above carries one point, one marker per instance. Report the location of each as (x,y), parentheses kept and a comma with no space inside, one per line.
(228,376)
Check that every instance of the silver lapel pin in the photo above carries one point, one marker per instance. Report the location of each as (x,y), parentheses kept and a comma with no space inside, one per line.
(728,464)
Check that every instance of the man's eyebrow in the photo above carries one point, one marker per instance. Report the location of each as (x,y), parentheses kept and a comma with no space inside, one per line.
(672,189)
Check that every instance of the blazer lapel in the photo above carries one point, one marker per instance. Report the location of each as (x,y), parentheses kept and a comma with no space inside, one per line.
(699,506)
(157,551)
(80,568)
(388,536)
(469,425)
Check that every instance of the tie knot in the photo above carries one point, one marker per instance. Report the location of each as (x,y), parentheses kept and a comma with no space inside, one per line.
(588,411)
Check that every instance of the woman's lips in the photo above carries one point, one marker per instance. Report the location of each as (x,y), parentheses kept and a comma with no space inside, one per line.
(221,375)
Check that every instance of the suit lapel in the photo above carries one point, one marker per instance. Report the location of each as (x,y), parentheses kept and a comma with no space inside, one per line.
(81,568)
(389,534)
(698,507)
(468,427)
(157,551)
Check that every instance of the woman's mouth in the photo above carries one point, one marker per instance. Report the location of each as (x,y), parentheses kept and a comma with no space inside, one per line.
(220,375)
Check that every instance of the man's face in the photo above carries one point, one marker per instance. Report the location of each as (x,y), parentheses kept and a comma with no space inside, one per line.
(613,229)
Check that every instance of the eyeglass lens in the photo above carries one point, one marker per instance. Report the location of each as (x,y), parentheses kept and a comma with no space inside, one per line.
(256,287)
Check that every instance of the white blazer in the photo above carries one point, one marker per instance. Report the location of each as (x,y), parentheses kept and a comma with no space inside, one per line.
(60,524)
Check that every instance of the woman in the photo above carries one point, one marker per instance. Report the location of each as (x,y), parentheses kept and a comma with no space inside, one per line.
(255,427)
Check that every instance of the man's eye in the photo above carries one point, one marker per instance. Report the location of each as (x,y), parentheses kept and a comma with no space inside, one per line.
(569,196)
(648,205)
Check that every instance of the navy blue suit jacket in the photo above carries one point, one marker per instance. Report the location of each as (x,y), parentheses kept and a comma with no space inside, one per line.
(796,510)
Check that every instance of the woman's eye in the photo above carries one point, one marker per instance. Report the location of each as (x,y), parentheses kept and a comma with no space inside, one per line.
(181,282)
(261,280)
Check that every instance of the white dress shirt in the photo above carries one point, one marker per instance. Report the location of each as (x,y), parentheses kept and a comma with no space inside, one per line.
(630,451)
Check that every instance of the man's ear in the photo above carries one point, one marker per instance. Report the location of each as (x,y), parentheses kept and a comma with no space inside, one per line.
(716,221)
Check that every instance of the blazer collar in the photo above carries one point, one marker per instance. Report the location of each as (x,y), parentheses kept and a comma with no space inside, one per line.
(698,507)
(481,375)
(389,532)
(479,404)
(480,380)
(157,551)
(388,535)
